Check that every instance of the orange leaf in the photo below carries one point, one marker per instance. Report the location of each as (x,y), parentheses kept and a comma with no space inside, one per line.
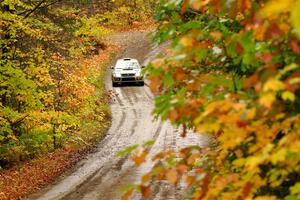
(192,159)
(295,46)
(140,156)
(250,81)
(127,195)
(184,7)
(179,74)
(199,171)
(182,168)
(239,49)
(157,63)
(247,189)
(146,191)
(217,35)
(161,175)
(173,115)
(274,31)
(193,86)
(155,81)
(197,5)
(146,177)
(184,152)
(172,176)
(189,180)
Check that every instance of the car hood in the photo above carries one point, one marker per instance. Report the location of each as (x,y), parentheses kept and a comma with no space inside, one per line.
(125,71)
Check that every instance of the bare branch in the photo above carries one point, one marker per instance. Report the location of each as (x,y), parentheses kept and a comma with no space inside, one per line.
(34,9)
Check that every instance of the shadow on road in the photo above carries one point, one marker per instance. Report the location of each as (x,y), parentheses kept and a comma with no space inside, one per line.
(129,85)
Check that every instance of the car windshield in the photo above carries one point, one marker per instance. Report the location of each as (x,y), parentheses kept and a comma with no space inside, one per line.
(127,65)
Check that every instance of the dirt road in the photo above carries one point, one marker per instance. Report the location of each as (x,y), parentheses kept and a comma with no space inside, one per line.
(100,174)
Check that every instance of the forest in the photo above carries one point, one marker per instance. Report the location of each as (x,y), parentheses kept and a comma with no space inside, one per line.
(232,71)
(47,97)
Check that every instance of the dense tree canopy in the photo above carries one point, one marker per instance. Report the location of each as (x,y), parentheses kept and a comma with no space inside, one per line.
(232,71)
(46,93)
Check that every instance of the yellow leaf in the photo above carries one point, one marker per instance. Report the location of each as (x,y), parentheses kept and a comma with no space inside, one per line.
(294,80)
(287,69)
(211,108)
(186,42)
(251,114)
(295,16)
(266,198)
(288,96)
(275,7)
(253,161)
(278,156)
(295,147)
(273,85)
(240,16)
(280,116)
(267,100)
(208,127)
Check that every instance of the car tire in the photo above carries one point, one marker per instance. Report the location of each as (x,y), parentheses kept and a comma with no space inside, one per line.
(142,83)
(114,84)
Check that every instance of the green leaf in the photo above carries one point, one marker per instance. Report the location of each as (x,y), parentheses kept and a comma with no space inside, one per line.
(148,143)
(126,188)
(247,42)
(127,151)
(290,197)
(168,79)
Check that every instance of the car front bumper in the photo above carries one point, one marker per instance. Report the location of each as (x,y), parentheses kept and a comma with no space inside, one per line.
(127,79)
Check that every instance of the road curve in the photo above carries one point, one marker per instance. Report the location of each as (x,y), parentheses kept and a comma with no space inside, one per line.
(100,174)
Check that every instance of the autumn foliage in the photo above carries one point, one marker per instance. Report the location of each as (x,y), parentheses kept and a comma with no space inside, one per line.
(232,71)
(51,89)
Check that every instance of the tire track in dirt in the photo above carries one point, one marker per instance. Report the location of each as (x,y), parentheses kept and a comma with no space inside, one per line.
(119,100)
(99,175)
(122,120)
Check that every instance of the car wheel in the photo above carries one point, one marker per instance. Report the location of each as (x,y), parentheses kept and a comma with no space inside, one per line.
(142,83)
(114,84)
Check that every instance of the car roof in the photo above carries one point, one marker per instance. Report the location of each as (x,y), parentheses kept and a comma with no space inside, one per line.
(127,59)
(125,62)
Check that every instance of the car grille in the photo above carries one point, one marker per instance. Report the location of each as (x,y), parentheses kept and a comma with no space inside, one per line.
(128,79)
(127,75)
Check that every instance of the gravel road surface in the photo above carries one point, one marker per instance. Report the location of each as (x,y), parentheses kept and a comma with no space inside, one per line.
(100,174)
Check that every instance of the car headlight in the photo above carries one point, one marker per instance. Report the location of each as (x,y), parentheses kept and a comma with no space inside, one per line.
(138,74)
(116,74)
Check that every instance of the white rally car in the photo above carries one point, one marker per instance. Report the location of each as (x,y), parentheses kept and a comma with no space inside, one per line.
(127,70)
